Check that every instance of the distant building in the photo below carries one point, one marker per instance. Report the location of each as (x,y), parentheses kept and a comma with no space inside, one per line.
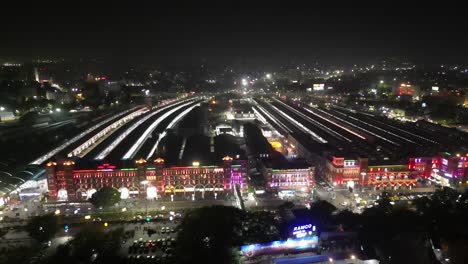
(291,178)
(407,89)
(345,171)
(224,129)
(452,168)
(447,168)
(59,96)
(6,115)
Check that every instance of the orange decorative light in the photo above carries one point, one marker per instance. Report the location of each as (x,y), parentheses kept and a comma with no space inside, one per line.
(140,161)
(159,160)
(227,158)
(51,163)
(68,163)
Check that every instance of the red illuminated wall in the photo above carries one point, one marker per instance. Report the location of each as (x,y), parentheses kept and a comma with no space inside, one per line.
(166,180)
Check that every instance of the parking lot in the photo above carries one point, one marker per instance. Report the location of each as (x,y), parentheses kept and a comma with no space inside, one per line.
(153,241)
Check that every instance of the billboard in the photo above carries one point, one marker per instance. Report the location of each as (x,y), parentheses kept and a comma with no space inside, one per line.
(303,230)
(318,86)
(280,247)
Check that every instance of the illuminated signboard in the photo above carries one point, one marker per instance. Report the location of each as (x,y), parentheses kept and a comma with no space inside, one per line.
(280,247)
(106,166)
(318,86)
(435,88)
(303,230)
(445,161)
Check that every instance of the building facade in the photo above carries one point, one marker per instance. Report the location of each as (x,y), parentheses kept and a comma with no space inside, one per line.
(448,168)
(151,178)
(295,178)
(343,171)
(290,181)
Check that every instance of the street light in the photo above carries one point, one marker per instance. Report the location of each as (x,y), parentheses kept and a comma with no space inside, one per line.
(363,174)
(2,108)
(146,200)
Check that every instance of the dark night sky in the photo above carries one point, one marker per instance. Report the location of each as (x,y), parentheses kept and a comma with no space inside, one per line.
(184,35)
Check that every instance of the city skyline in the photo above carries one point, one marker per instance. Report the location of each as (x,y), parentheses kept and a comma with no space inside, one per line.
(245,134)
(187,35)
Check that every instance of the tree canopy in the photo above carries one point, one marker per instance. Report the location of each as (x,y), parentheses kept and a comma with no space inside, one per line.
(212,234)
(42,228)
(105,197)
(208,234)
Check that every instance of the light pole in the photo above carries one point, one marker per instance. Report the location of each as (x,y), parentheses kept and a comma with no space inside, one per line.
(363,174)
(146,199)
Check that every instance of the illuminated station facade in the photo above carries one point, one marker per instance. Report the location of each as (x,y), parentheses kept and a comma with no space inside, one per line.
(445,167)
(65,182)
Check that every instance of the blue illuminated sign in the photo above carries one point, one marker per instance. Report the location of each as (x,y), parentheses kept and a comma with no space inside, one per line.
(303,230)
(302,227)
(280,247)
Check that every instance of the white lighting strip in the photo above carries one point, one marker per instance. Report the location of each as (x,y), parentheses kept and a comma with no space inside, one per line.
(323,127)
(358,127)
(260,117)
(54,152)
(383,130)
(316,137)
(275,120)
(407,132)
(131,152)
(129,130)
(171,125)
(336,124)
(105,132)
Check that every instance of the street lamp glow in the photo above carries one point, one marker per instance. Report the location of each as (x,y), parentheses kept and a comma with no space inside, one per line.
(2,108)
(244,82)
(268,76)
(58,110)
(381,81)
(353,257)
(330,259)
